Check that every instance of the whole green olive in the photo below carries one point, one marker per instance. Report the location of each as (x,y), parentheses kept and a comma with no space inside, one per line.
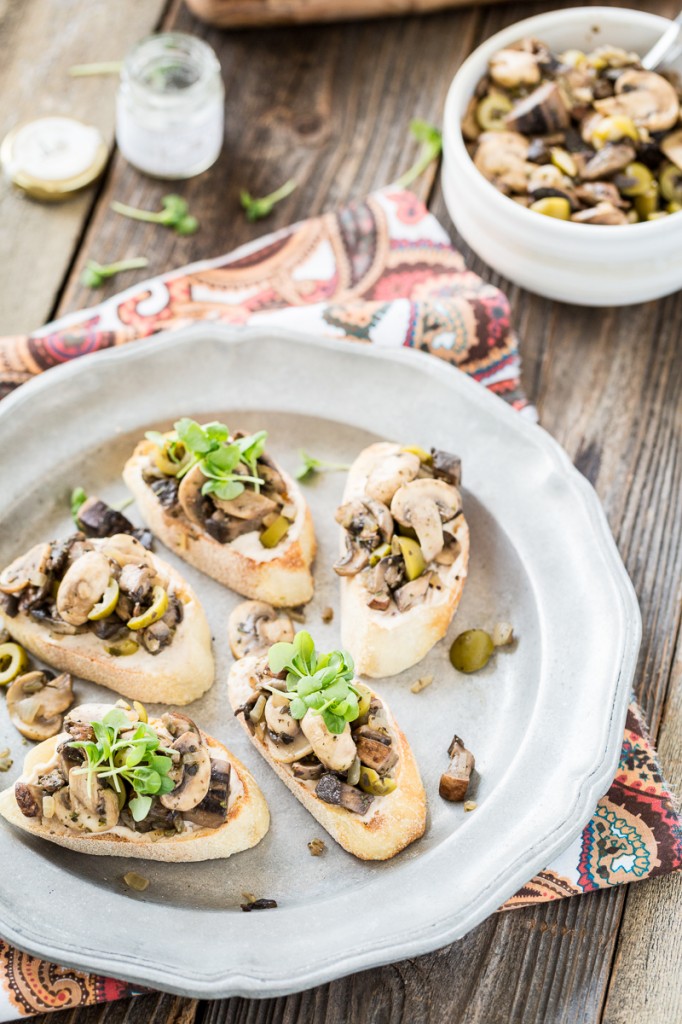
(471,650)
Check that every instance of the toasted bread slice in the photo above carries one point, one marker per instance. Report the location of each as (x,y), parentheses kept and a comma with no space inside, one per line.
(177,674)
(384,643)
(248,818)
(280,575)
(392,821)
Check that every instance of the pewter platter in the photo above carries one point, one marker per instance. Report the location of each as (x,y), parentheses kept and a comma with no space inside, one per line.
(544,720)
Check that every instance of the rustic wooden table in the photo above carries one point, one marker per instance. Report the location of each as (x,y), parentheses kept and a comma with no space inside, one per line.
(331,106)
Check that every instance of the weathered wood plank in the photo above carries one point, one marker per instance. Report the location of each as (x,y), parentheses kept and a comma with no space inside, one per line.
(152,1009)
(39,41)
(645,984)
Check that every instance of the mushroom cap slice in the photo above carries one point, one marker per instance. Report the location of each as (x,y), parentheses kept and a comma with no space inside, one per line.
(335,750)
(277,717)
(126,550)
(501,157)
(83,586)
(390,473)
(671,147)
(352,561)
(424,505)
(254,626)
(510,68)
(86,806)
(195,774)
(645,97)
(36,704)
(26,570)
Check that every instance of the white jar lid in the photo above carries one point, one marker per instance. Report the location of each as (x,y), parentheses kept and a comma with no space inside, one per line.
(52,157)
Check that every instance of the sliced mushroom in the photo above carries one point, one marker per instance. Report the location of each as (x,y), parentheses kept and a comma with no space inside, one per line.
(193,774)
(212,811)
(332,790)
(307,772)
(352,561)
(366,520)
(542,112)
(511,68)
(609,160)
(375,750)
(278,718)
(594,192)
(29,570)
(646,98)
(85,805)
(78,721)
(454,782)
(83,586)
(390,473)
(446,467)
(192,501)
(287,753)
(671,147)
(249,505)
(413,592)
(177,724)
(137,580)
(124,549)
(29,799)
(36,704)
(602,213)
(335,750)
(254,626)
(501,157)
(97,519)
(424,505)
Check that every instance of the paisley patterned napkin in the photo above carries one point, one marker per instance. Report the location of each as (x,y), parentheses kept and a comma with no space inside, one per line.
(383,271)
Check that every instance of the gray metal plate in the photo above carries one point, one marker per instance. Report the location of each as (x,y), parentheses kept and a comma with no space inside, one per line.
(544,720)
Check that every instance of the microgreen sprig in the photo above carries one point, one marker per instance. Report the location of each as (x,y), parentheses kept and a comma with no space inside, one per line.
(102,67)
(256,209)
(78,498)
(209,446)
(136,758)
(431,139)
(175,214)
(321,683)
(310,466)
(95,274)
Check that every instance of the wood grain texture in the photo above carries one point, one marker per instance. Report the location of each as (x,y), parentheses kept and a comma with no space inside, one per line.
(248,13)
(331,106)
(39,41)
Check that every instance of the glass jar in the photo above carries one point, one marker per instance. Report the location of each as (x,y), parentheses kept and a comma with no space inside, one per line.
(170,108)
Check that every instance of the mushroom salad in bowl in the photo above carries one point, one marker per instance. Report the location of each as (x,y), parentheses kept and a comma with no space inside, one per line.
(405,552)
(556,115)
(220,502)
(115,784)
(111,611)
(334,743)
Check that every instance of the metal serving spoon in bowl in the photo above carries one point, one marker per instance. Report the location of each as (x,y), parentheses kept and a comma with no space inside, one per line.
(667,49)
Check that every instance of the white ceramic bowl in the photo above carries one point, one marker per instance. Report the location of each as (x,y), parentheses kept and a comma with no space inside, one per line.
(588,264)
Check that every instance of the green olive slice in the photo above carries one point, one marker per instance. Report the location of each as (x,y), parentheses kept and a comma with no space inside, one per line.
(471,650)
(492,110)
(639,179)
(123,649)
(412,556)
(157,609)
(273,534)
(671,183)
(372,782)
(553,206)
(13,661)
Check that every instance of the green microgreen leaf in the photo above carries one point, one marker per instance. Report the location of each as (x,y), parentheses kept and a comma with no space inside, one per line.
(95,274)
(256,209)
(431,139)
(310,466)
(173,214)
(321,683)
(127,755)
(78,498)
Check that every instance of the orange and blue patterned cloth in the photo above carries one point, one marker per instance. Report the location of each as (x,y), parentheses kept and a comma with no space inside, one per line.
(382,271)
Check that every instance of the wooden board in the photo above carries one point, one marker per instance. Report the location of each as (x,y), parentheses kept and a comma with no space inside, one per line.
(331,106)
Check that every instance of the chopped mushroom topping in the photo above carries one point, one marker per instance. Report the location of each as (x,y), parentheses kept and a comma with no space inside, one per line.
(336,751)
(455,781)
(83,586)
(391,473)
(254,626)
(192,773)
(86,805)
(36,703)
(425,505)
(553,123)
(28,570)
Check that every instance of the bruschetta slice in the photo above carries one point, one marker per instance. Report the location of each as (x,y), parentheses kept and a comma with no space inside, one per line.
(334,743)
(169,792)
(220,502)
(109,610)
(405,553)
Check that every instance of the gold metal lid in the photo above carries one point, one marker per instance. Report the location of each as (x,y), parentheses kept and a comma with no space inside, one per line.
(53,157)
